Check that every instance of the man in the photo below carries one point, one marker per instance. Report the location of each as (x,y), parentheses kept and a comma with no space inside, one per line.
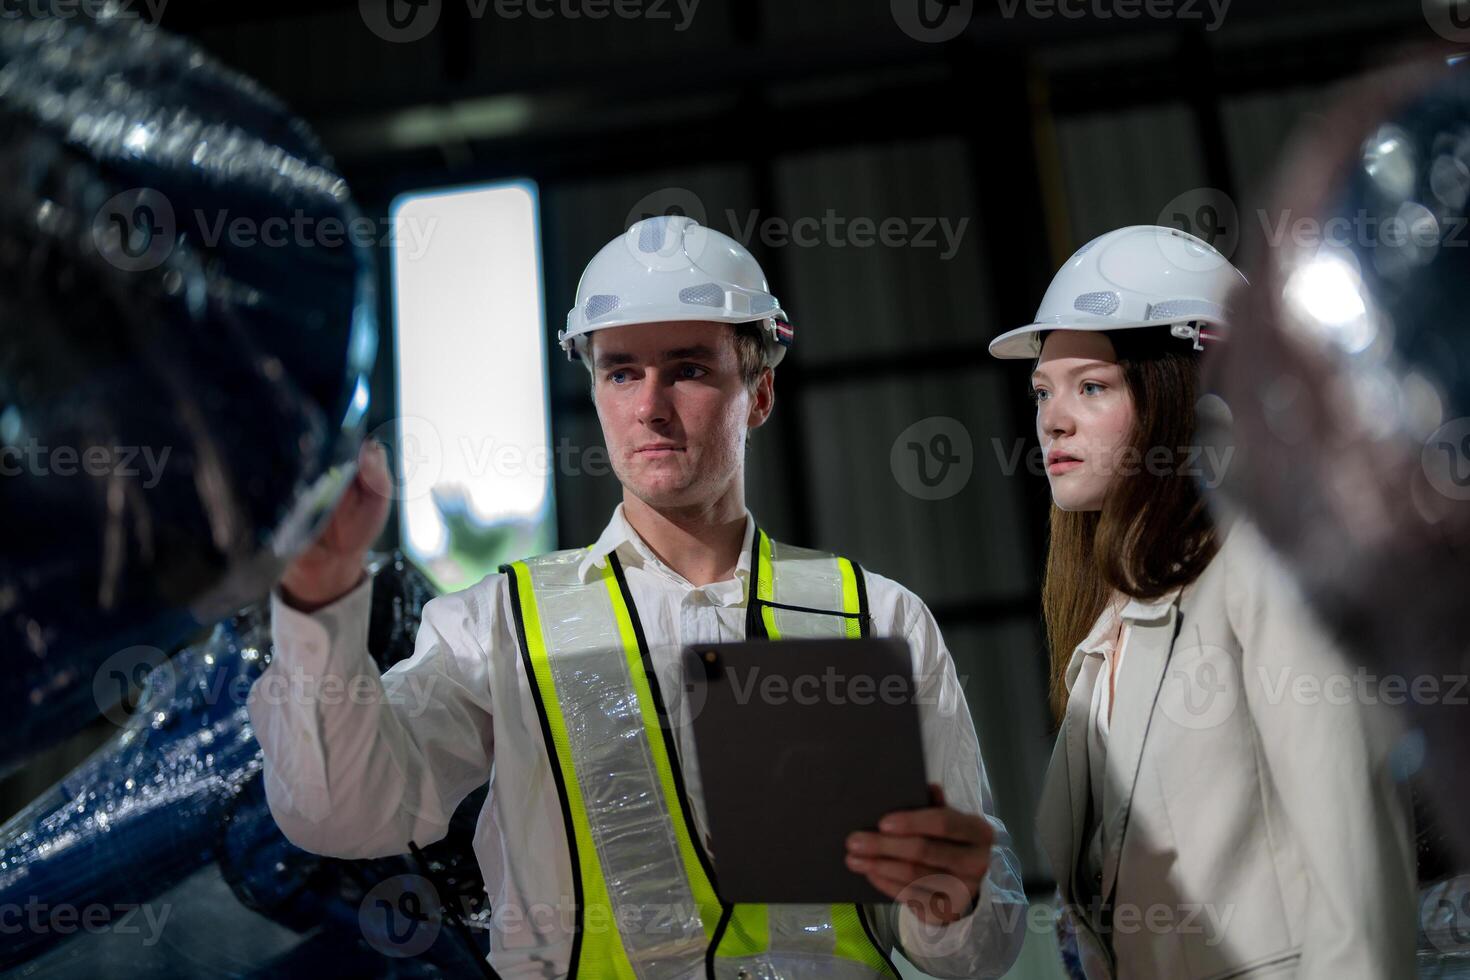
(551,670)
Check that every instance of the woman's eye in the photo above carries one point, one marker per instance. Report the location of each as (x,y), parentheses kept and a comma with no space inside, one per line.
(1091,387)
(1038,394)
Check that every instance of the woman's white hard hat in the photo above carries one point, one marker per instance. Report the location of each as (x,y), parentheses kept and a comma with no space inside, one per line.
(1138,276)
(671,268)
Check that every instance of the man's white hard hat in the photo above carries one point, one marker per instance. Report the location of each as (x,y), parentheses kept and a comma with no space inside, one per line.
(1138,276)
(673,268)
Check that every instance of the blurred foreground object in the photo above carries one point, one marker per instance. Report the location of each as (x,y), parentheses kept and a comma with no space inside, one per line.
(188,322)
(1348,388)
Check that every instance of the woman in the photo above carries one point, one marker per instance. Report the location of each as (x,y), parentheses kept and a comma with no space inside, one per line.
(1219,803)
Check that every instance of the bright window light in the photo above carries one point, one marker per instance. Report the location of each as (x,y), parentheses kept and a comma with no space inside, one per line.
(471,440)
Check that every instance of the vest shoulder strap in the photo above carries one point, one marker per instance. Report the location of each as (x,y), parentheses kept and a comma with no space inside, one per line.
(558,567)
(799,591)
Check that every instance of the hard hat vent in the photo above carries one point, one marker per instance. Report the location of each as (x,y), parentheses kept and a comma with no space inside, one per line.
(707,294)
(653,234)
(1178,309)
(600,305)
(1102,303)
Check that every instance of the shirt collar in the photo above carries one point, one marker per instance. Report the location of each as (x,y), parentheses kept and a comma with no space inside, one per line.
(619,536)
(1151,610)
(1100,638)
(1131,610)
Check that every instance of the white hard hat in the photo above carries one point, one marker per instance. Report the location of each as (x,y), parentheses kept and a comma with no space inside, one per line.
(1139,276)
(672,268)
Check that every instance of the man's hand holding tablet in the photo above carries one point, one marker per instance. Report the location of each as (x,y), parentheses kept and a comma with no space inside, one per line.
(933,860)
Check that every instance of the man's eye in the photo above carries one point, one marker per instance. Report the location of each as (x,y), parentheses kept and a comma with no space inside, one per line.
(617,377)
(692,371)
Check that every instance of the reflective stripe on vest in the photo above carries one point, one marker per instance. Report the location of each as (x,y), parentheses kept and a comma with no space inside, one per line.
(644,888)
(810,582)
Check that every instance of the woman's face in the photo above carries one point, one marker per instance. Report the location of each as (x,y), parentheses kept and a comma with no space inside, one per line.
(1084,416)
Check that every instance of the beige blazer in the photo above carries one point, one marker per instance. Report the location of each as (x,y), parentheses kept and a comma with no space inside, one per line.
(1256,830)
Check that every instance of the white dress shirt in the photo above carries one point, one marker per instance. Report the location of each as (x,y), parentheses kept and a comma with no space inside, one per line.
(388,759)
(1103,650)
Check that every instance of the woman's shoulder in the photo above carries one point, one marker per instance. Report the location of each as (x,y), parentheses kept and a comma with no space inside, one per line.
(1236,550)
(1245,554)
(1246,577)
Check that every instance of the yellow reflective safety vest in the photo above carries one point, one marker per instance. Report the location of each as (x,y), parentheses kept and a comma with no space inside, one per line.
(646,899)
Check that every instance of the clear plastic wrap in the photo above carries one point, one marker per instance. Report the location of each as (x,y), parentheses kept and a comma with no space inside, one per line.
(178,790)
(186,327)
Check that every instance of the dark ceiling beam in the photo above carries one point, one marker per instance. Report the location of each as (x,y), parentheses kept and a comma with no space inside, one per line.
(198,16)
(988,25)
(730,67)
(560,144)
(1268,65)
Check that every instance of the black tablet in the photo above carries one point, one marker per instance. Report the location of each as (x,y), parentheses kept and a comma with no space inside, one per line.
(800,743)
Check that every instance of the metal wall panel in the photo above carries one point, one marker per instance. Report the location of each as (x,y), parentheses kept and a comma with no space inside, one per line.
(1003,669)
(971,545)
(850,299)
(1123,168)
(1257,127)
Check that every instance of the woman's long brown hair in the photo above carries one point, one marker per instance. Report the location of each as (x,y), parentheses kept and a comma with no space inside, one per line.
(1153,532)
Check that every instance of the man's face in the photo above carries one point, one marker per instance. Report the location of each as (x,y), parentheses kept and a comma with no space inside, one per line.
(674,409)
